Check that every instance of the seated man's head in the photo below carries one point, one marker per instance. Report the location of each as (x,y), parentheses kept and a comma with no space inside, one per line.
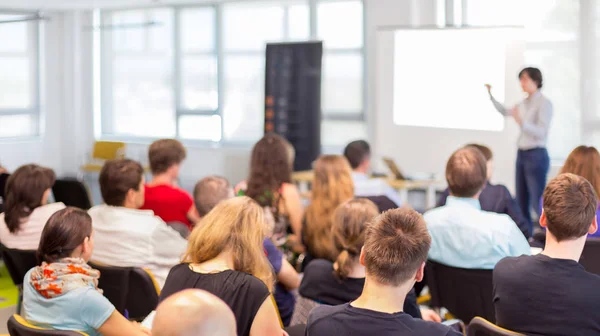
(209,191)
(165,157)
(489,158)
(122,183)
(358,154)
(466,173)
(396,246)
(193,312)
(569,208)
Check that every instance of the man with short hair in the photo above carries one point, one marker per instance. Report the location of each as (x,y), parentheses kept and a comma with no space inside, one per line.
(394,255)
(551,293)
(163,196)
(210,191)
(463,235)
(193,312)
(495,197)
(358,154)
(126,236)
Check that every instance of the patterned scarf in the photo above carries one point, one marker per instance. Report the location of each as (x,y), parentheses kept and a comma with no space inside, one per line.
(63,276)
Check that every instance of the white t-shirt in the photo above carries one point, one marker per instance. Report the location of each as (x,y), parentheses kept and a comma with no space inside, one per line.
(30,231)
(135,238)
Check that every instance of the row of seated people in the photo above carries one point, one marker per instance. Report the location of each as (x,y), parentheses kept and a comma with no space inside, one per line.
(123,192)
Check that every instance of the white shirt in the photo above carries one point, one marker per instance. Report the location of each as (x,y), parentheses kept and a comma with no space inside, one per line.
(364,186)
(30,231)
(135,238)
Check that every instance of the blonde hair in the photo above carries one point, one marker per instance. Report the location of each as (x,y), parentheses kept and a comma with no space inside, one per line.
(332,185)
(236,225)
(348,231)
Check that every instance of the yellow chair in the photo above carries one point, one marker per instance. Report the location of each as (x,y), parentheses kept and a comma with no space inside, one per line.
(18,326)
(104,151)
(482,327)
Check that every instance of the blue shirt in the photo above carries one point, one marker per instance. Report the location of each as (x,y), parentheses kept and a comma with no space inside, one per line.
(285,299)
(496,198)
(82,309)
(464,236)
(364,186)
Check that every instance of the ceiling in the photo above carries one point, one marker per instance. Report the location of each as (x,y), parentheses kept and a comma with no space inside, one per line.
(89,4)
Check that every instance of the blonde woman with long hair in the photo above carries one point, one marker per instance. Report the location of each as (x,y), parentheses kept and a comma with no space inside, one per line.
(225,257)
(332,185)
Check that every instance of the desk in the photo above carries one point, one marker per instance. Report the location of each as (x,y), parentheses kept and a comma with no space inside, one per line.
(304,178)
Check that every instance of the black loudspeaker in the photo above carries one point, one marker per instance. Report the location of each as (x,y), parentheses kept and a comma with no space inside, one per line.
(293,97)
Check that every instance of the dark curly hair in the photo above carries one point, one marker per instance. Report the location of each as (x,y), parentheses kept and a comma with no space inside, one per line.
(270,167)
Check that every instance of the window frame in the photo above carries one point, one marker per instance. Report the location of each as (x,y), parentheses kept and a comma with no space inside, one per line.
(34,57)
(105,81)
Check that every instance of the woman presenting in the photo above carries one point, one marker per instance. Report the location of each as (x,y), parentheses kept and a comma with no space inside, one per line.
(533,115)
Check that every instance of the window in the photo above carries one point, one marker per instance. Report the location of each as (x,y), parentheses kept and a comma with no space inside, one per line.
(197,72)
(19,64)
(553,44)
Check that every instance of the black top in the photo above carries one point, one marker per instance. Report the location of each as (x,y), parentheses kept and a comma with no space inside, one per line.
(351,321)
(496,198)
(320,284)
(242,292)
(539,295)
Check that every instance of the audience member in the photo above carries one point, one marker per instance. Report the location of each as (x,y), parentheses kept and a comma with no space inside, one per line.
(270,184)
(343,281)
(26,207)
(163,196)
(209,192)
(495,197)
(332,185)
(193,312)
(358,154)
(225,257)
(551,293)
(462,234)
(585,162)
(394,255)
(3,170)
(125,235)
(63,292)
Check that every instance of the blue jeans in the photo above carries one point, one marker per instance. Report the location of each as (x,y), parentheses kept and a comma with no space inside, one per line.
(532,169)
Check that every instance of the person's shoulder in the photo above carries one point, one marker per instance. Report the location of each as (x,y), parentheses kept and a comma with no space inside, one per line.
(511,265)
(251,283)
(319,266)
(433,215)
(432,328)
(323,313)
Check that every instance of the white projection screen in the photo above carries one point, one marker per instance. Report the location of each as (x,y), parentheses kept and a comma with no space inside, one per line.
(439,76)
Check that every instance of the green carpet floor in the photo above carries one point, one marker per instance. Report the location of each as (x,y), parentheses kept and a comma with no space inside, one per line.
(8,291)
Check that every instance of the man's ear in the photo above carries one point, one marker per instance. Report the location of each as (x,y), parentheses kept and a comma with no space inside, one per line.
(420,273)
(544,219)
(362,256)
(594,226)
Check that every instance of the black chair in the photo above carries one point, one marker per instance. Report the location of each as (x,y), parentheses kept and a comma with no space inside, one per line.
(17,326)
(297,330)
(18,263)
(130,289)
(72,192)
(383,202)
(590,258)
(482,327)
(3,179)
(466,293)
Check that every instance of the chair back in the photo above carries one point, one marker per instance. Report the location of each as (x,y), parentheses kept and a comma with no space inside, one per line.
(72,192)
(482,327)
(18,326)
(590,257)
(383,202)
(130,289)
(466,293)
(108,150)
(18,262)
(3,179)
(302,309)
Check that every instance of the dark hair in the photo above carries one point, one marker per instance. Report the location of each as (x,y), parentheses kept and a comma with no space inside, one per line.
(466,172)
(486,151)
(63,233)
(25,189)
(209,191)
(117,177)
(165,153)
(570,204)
(396,245)
(270,167)
(356,152)
(348,231)
(535,74)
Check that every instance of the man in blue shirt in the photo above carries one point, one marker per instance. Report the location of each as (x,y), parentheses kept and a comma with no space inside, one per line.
(496,197)
(462,234)
(358,154)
